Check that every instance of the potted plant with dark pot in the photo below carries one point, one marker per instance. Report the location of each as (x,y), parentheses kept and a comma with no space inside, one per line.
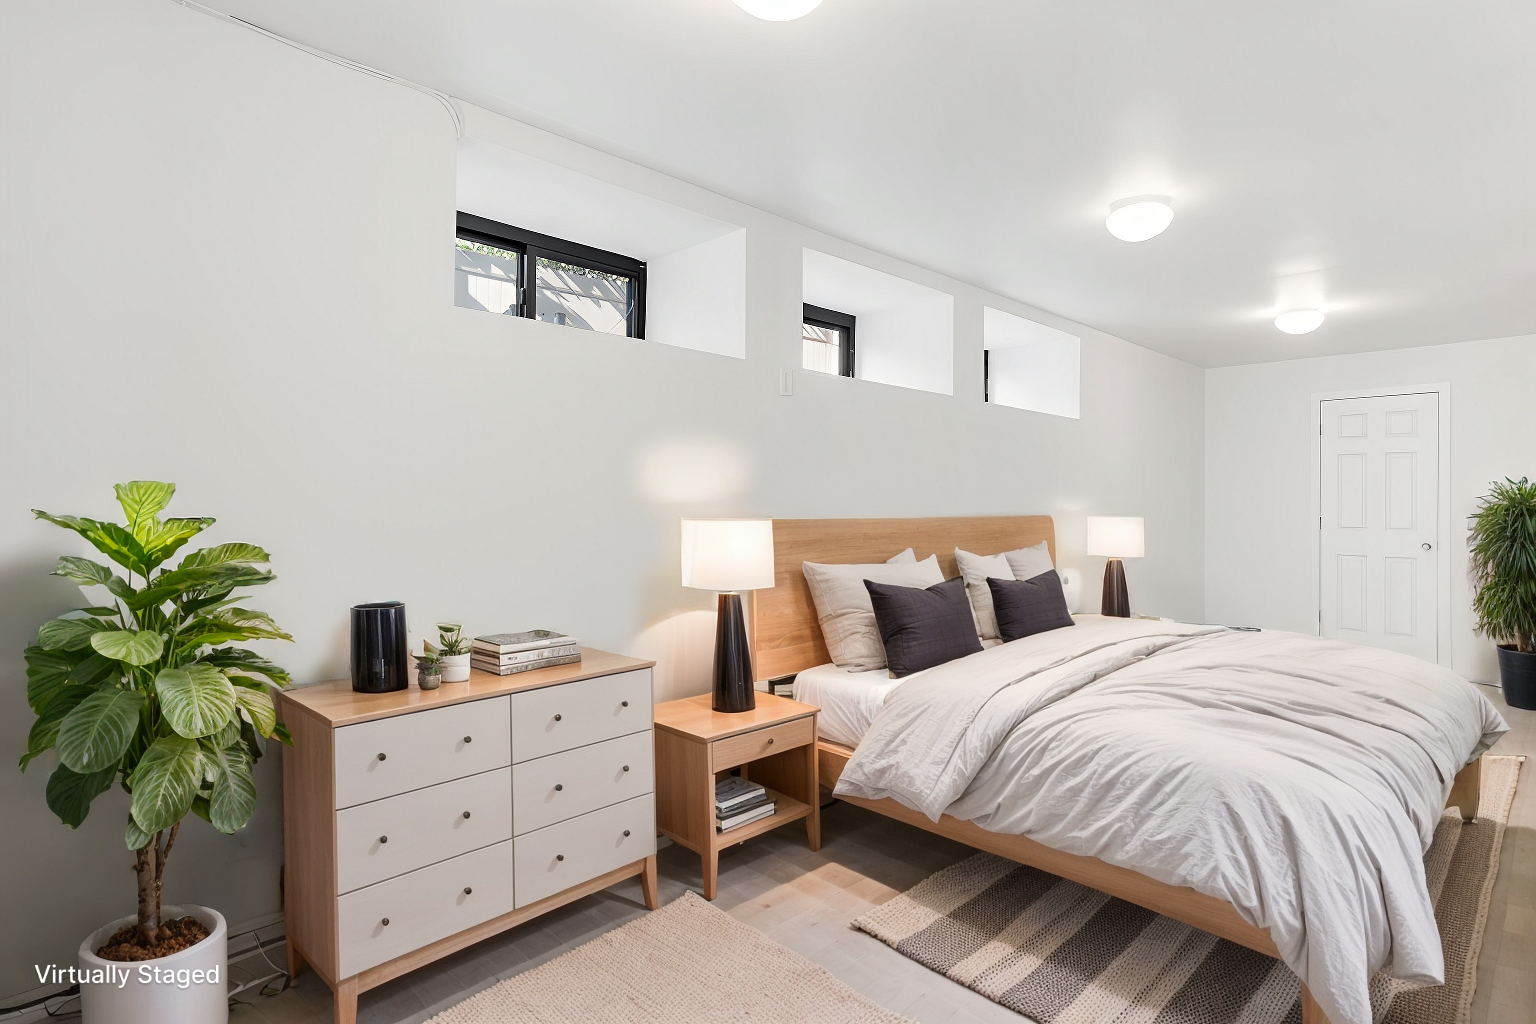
(147,688)
(1503,572)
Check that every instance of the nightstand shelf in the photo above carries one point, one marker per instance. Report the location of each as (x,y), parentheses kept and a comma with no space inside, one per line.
(774,745)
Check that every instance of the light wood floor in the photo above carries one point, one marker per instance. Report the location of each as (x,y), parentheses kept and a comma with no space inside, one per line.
(805,901)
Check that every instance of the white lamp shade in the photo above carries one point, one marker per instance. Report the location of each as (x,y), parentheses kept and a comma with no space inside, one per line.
(728,554)
(778,10)
(1117,536)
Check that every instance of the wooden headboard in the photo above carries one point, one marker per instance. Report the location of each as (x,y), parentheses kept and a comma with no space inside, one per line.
(785,635)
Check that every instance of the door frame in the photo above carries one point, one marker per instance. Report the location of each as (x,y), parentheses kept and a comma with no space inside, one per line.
(1443,504)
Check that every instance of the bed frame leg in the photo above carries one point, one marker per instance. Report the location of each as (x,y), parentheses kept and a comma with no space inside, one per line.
(1311,1013)
(1466,791)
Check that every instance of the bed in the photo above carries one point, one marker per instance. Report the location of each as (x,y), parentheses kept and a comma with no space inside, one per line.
(865,710)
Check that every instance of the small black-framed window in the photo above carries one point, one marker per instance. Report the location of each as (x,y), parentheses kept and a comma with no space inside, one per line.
(510,270)
(826,338)
(986,375)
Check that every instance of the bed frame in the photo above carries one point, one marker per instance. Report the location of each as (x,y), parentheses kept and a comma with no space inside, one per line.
(787,639)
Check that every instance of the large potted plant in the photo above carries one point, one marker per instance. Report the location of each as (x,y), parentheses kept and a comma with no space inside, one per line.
(1503,570)
(146,688)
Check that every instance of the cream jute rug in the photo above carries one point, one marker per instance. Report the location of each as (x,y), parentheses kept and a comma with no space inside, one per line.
(1064,954)
(687,963)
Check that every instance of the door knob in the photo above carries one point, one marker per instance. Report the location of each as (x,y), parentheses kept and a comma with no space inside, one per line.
(1427,546)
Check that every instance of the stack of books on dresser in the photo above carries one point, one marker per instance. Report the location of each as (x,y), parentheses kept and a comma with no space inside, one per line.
(739,802)
(507,653)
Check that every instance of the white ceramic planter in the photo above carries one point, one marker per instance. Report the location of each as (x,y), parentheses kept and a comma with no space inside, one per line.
(189,987)
(456,669)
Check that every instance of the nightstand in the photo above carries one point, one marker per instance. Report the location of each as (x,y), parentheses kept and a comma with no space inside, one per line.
(774,744)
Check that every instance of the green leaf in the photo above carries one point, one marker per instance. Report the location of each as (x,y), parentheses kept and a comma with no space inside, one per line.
(129,646)
(142,501)
(168,776)
(234,791)
(71,634)
(249,661)
(47,674)
(94,669)
(96,734)
(82,570)
(282,735)
(252,698)
(108,538)
(225,554)
(197,700)
(69,793)
(230,624)
(98,610)
(45,729)
(164,539)
(171,585)
(136,838)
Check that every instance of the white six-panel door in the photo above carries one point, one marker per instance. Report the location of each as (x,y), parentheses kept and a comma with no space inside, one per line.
(1379,517)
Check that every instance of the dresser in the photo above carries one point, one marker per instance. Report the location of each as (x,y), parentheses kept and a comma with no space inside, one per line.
(419,822)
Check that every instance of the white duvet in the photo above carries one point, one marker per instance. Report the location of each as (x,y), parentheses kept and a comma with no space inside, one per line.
(1299,779)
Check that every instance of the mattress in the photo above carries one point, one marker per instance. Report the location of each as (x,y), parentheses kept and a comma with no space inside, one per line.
(848,700)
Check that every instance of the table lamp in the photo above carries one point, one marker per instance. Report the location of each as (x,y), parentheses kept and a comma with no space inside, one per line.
(729,556)
(1116,537)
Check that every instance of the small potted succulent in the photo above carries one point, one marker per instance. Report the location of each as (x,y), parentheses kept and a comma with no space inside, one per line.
(429,671)
(1502,564)
(452,648)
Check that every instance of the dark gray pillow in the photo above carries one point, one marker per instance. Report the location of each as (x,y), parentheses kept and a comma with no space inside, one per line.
(1027,607)
(923,628)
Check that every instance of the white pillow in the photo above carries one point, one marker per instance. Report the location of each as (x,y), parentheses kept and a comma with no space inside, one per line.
(1023,564)
(843,609)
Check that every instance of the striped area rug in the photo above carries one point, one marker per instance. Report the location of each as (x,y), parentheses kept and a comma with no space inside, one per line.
(1060,953)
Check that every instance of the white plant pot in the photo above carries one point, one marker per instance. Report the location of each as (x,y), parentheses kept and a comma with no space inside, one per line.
(160,991)
(456,669)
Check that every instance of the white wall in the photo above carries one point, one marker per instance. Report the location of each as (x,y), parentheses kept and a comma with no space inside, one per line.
(271,325)
(1261,438)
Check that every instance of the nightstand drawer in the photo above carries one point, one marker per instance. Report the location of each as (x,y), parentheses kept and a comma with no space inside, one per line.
(555,718)
(422,907)
(735,750)
(575,851)
(423,748)
(551,789)
(389,837)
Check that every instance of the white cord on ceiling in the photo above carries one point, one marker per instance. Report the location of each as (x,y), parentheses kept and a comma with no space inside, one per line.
(443,98)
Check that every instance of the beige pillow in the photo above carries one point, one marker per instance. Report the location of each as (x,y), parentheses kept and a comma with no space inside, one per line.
(843,609)
(1023,564)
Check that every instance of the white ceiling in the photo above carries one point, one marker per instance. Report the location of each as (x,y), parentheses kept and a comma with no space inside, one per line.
(1374,158)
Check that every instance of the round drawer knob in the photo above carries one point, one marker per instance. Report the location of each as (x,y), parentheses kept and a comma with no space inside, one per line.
(559,856)
(558,787)
(383,757)
(626,833)
(467,890)
(469,739)
(385,922)
(557,718)
(624,704)
(770,741)
(383,839)
(466,814)
(626,767)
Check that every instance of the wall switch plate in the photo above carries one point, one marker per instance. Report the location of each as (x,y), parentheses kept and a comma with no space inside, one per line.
(786,383)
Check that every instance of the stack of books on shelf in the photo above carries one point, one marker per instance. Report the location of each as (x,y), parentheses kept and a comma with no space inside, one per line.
(507,653)
(739,802)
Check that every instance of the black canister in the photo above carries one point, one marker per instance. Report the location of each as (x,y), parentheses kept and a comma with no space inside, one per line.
(379,647)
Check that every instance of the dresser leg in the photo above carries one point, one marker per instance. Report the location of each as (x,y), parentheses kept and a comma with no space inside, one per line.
(346,1001)
(296,962)
(648,882)
(1311,1013)
(711,872)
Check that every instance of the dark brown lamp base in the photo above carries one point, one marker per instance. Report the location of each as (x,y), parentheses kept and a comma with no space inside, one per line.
(1117,599)
(734,691)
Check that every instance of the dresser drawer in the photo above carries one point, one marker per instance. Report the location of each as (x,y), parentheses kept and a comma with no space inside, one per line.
(422,907)
(555,718)
(728,753)
(397,755)
(580,849)
(389,837)
(560,786)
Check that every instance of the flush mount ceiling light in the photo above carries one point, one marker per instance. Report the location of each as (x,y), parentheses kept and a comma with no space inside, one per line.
(1299,321)
(778,10)
(1138,218)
